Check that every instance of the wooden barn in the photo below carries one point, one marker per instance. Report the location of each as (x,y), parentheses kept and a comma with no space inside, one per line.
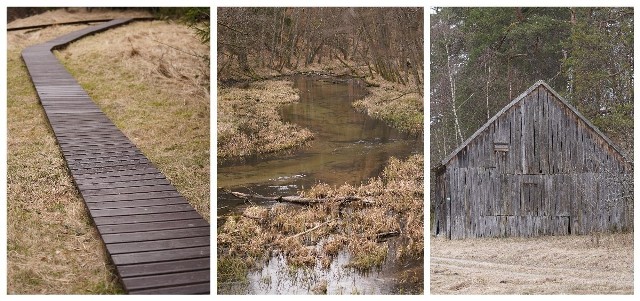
(538,167)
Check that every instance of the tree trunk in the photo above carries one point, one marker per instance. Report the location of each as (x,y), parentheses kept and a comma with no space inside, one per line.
(452,85)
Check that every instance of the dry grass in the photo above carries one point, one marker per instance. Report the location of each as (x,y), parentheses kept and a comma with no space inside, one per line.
(398,105)
(157,95)
(75,14)
(542,265)
(51,246)
(249,123)
(392,203)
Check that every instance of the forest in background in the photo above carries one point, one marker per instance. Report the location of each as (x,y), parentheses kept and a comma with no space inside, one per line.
(370,42)
(482,58)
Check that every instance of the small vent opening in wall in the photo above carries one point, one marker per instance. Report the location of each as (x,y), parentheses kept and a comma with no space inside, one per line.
(501,146)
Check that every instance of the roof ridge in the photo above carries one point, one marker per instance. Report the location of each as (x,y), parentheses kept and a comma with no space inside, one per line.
(517,100)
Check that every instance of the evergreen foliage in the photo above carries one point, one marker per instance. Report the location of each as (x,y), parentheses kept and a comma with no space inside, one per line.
(482,58)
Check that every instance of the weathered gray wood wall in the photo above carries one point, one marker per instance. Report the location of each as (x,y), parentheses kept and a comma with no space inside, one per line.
(536,169)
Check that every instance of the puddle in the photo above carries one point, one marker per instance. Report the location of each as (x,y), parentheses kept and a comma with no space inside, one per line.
(276,277)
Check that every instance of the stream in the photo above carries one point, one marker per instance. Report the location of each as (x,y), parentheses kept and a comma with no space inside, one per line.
(348,147)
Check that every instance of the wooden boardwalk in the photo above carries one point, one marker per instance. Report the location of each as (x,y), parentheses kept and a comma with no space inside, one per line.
(158,243)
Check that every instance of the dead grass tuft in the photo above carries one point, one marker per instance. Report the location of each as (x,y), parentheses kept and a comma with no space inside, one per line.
(320,288)
(231,269)
(367,254)
(249,122)
(397,104)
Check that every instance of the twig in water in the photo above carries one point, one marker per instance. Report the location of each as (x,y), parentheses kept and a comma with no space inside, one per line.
(310,230)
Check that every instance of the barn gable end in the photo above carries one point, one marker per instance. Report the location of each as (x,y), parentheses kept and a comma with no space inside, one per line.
(538,167)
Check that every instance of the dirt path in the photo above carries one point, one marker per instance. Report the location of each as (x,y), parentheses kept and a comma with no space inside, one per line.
(548,265)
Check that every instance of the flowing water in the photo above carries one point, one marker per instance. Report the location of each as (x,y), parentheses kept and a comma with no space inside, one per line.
(348,147)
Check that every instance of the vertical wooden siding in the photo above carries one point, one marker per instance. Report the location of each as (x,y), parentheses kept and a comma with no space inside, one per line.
(556,177)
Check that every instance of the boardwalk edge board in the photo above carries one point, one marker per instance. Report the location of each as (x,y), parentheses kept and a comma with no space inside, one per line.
(157,241)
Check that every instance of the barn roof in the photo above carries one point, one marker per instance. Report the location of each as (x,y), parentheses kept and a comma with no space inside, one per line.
(513,103)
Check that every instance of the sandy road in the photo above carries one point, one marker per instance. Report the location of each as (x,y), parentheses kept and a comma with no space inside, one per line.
(547,265)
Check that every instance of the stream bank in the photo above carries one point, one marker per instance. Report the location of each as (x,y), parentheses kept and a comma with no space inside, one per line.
(351,154)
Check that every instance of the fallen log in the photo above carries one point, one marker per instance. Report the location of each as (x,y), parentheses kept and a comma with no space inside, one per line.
(301,200)
(380,237)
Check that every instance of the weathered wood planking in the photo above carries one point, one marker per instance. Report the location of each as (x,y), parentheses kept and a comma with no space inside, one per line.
(158,243)
(536,168)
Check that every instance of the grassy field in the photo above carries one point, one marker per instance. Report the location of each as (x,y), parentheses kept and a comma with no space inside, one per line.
(52,248)
(584,264)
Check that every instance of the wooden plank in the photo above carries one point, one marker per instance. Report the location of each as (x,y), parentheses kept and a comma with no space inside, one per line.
(117,180)
(104,156)
(89,131)
(144,282)
(143,170)
(137,203)
(155,268)
(152,226)
(80,162)
(140,210)
(155,235)
(157,245)
(81,142)
(130,196)
(201,288)
(159,256)
(128,190)
(96,134)
(93,165)
(89,149)
(145,218)
(90,143)
(102,170)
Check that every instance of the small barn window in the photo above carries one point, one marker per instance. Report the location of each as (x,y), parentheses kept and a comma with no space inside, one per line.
(501,146)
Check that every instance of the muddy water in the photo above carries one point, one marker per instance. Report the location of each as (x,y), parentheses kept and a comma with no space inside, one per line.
(349,147)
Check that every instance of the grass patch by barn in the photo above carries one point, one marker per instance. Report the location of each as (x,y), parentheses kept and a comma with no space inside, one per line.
(575,264)
(52,248)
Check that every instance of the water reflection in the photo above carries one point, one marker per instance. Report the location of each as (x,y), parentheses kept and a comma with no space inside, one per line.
(276,277)
(349,146)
